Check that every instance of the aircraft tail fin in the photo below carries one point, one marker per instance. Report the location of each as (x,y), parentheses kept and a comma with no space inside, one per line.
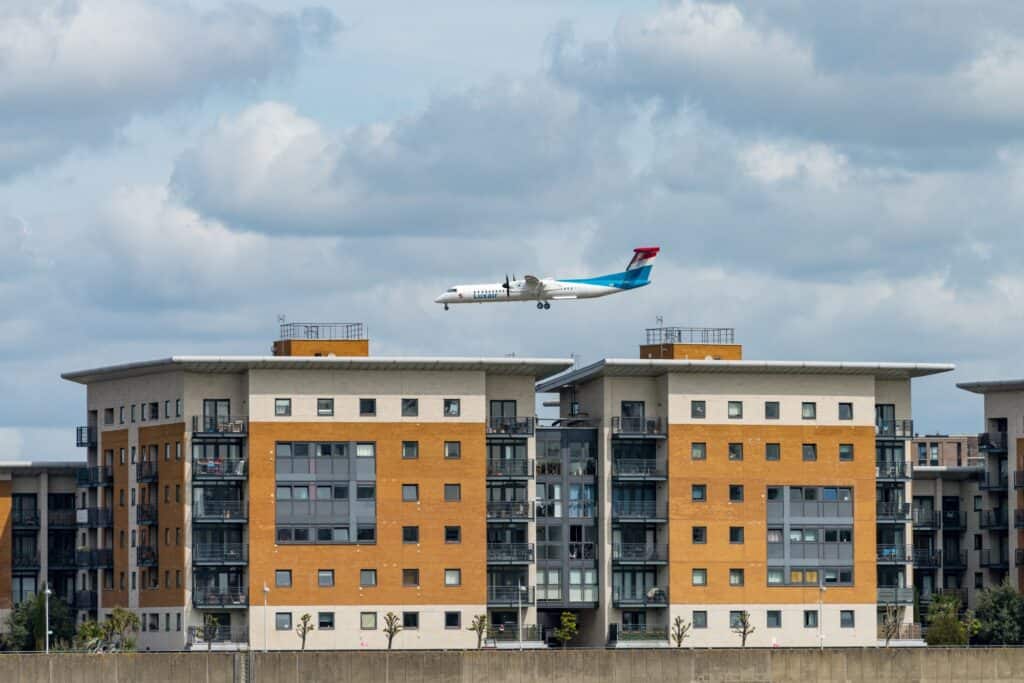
(642,256)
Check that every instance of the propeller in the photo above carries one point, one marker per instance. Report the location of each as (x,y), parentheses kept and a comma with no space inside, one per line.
(508,289)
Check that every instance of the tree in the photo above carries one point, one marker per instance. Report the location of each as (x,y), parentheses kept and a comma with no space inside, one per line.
(479,627)
(1000,616)
(680,631)
(26,624)
(945,627)
(116,629)
(568,628)
(89,636)
(892,619)
(742,627)
(208,631)
(392,627)
(304,627)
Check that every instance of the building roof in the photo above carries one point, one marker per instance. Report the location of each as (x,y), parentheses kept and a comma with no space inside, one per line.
(41,464)
(993,386)
(539,368)
(642,367)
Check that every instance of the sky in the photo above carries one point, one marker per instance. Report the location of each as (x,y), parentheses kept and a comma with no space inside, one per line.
(837,181)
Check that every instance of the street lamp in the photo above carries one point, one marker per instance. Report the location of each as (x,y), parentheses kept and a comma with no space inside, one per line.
(519,612)
(821,595)
(266,594)
(47,593)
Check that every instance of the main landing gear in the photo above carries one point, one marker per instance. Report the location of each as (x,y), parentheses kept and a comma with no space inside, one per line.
(446,307)
(543,305)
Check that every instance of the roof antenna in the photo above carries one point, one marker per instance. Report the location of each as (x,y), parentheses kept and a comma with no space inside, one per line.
(661,321)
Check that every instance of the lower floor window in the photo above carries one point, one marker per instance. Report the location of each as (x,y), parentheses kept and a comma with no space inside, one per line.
(700,619)
(325,621)
(810,618)
(453,619)
(283,621)
(368,621)
(410,620)
(774,618)
(846,618)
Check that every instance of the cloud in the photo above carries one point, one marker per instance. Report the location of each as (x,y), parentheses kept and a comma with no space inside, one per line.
(74,72)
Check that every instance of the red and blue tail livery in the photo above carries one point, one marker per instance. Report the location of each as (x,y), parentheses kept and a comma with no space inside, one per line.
(544,291)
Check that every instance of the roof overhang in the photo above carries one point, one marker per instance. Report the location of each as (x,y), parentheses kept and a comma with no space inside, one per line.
(992,387)
(642,367)
(539,368)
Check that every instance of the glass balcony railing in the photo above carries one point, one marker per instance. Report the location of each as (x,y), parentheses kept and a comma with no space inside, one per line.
(927,559)
(220,553)
(639,553)
(927,519)
(61,519)
(220,511)
(638,510)
(510,553)
(994,481)
(638,426)
(995,519)
(993,559)
(638,468)
(653,597)
(893,470)
(510,426)
(953,520)
(85,600)
(509,510)
(511,633)
(510,595)
(898,595)
(952,560)
(510,468)
(200,637)
(220,425)
(898,554)
(217,596)
(894,429)
(892,512)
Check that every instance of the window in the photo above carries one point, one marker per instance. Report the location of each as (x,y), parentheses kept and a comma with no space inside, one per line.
(845,452)
(453,534)
(735,451)
(699,493)
(810,618)
(367,577)
(700,534)
(366,491)
(845,615)
(735,534)
(410,407)
(108,416)
(977,503)
(698,410)
(774,618)
(452,407)
(283,578)
(700,577)
(452,450)
(366,450)
(698,451)
(452,492)
(735,577)
(772,451)
(810,452)
(325,407)
(453,577)
(325,578)
(776,577)
(977,541)
(453,620)
(846,413)
(809,410)
(735,493)
(410,620)
(167,413)
(410,534)
(735,618)
(325,621)
(735,410)
(410,450)
(775,535)
(700,619)
(410,493)
(282,407)
(283,621)
(368,621)
(979,582)
(120,414)
(771,410)
(367,407)
(177,413)
(410,578)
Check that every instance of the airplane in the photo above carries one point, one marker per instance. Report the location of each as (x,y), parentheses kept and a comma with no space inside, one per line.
(543,291)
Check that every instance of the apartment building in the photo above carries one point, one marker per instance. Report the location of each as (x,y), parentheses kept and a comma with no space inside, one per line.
(37,532)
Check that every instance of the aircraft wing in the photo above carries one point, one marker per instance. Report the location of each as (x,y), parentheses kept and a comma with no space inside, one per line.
(532,281)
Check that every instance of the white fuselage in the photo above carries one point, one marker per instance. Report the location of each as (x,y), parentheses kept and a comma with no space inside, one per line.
(549,289)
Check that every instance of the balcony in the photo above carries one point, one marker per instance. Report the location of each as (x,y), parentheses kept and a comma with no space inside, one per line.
(894,429)
(1018,559)
(654,597)
(94,559)
(509,511)
(85,437)
(892,512)
(638,426)
(509,468)
(197,636)
(509,553)
(215,596)
(511,633)
(61,560)
(510,595)
(895,595)
(510,426)
(894,554)
(61,519)
(95,517)
(953,520)
(638,511)
(993,559)
(25,519)
(95,476)
(219,468)
(220,511)
(927,519)
(146,556)
(994,481)
(85,600)
(146,472)
(146,514)
(636,632)
(994,519)
(638,469)
(223,425)
(992,442)
(893,470)
(954,561)
(220,553)
(927,559)
(639,553)
(23,561)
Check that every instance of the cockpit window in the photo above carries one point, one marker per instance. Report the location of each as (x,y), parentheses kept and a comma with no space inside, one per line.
(452,290)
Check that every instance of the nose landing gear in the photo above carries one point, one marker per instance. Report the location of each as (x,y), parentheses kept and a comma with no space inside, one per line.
(543,305)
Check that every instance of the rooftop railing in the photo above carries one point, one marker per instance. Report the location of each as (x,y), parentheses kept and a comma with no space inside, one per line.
(331,331)
(691,335)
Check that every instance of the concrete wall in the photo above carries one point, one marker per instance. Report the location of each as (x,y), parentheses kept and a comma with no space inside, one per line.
(550,666)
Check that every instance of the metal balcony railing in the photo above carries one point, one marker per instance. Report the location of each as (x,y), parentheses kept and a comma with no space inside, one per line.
(638,510)
(903,632)
(1018,519)
(85,437)
(94,476)
(953,520)
(510,553)
(894,429)
(220,425)
(954,560)
(95,558)
(220,511)
(147,514)
(146,471)
(215,596)
(994,481)
(509,510)
(95,517)
(219,468)
(510,468)
(899,554)
(25,518)
(893,470)
(993,559)
(146,556)
(638,426)
(653,597)
(636,632)
(61,559)
(927,559)
(510,633)
(637,468)
(898,595)
(511,426)
(892,512)
(992,441)
(995,519)
(639,553)
(85,600)
(62,519)
(510,595)
(199,636)
(1018,559)
(927,519)
(25,560)
(220,553)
